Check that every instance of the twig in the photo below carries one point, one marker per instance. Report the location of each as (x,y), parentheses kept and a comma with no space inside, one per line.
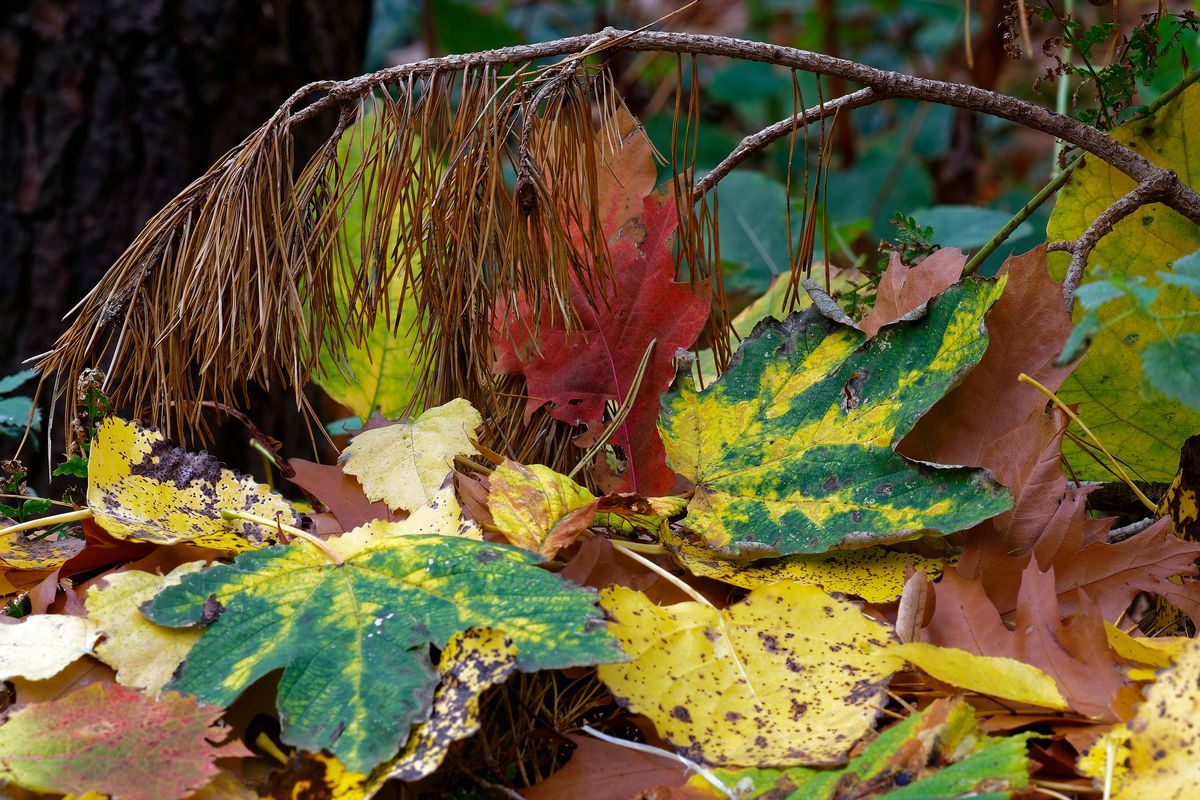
(755,142)
(230,515)
(712,779)
(1025,213)
(1130,530)
(46,522)
(1151,190)
(1178,195)
(1060,247)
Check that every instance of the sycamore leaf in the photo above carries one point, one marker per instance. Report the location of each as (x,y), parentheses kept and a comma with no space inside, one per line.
(144,655)
(405,464)
(353,640)
(937,753)
(577,372)
(599,770)
(790,449)
(904,292)
(475,660)
(141,488)
(537,508)
(19,551)
(999,677)
(1159,744)
(876,574)
(40,646)
(379,372)
(789,675)
(1143,429)
(115,741)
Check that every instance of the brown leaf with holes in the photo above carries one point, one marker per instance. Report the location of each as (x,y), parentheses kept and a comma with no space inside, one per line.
(905,290)
(603,771)
(1072,650)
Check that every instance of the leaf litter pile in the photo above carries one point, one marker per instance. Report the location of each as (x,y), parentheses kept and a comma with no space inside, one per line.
(855,564)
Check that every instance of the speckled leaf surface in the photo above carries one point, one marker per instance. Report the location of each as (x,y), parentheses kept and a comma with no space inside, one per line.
(789,675)
(1143,428)
(142,488)
(537,508)
(791,449)
(115,741)
(353,640)
(475,660)
(405,464)
(24,552)
(937,753)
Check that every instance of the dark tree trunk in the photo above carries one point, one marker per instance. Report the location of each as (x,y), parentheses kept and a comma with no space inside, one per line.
(108,108)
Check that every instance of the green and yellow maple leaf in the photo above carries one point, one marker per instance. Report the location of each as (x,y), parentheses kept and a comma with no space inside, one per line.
(1144,429)
(791,449)
(142,488)
(353,639)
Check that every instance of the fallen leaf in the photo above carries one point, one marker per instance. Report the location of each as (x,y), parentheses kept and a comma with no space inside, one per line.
(316,775)
(472,662)
(905,291)
(21,552)
(144,655)
(405,464)
(1000,677)
(1180,501)
(639,305)
(537,508)
(353,640)
(789,675)
(599,770)
(224,787)
(115,741)
(143,489)
(41,645)
(443,517)
(790,449)
(342,494)
(936,753)
(1139,427)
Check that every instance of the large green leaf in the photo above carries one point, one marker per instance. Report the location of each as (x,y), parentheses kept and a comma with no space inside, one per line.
(791,450)
(353,640)
(1144,428)
(381,371)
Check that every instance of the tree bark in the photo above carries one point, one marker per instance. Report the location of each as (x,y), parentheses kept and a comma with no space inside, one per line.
(108,108)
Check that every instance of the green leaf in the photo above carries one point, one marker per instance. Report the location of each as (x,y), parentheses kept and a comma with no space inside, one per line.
(353,640)
(380,372)
(937,753)
(966,227)
(1172,366)
(791,450)
(1143,429)
(76,467)
(15,415)
(16,380)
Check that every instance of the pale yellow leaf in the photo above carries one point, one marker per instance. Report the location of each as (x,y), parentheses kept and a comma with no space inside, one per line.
(442,517)
(40,646)
(405,464)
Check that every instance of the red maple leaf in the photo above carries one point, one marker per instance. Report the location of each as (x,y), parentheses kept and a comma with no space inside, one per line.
(576,373)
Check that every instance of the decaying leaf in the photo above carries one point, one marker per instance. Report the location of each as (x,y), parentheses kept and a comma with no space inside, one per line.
(790,449)
(1156,750)
(1142,428)
(405,464)
(144,655)
(142,488)
(20,551)
(342,494)
(876,574)
(904,291)
(115,741)
(789,675)
(537,508)
(475,660)
(316,775)
(599,770)
(40,646)
(937,753)
(353,640)
(1182,499)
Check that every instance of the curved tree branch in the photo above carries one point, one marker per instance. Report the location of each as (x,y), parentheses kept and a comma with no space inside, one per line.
(1175,193)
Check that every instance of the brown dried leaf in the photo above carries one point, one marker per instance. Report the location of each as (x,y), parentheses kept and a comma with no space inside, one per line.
(602,771)
(342,494)
(904,290)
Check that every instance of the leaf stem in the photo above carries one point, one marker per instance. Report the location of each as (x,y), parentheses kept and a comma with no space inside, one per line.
(46,522)
(649,548)
(1116,466)
(230,515)
(622,547)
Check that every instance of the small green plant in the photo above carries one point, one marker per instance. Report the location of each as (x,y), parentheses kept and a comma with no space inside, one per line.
(16,410)
(93,406)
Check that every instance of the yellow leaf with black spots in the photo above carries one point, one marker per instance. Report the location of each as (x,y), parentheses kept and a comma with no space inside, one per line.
(317,776)
(537,508)
(1141,428)
(144,655)
(22,552)
(791,450)
(475,660)
(1182,500)
(405,464)
(142,488)
(1155,752)
(876,574)
(789,675)
(353,639)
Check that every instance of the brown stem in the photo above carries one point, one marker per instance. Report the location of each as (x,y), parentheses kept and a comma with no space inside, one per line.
(1151,190)
(1176,194)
